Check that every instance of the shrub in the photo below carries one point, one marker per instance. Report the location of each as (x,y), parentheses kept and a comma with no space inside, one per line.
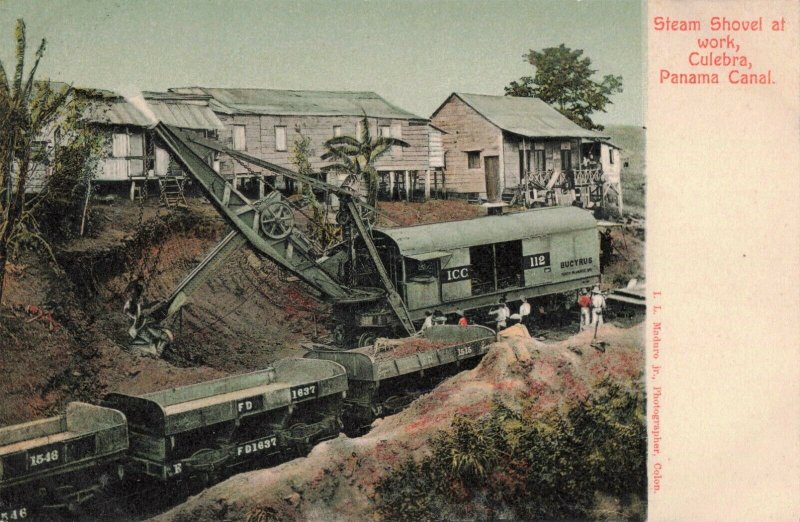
(552,467)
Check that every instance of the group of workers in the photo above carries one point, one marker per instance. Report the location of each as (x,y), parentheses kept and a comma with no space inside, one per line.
(437,317)
(502,315)
(591,306)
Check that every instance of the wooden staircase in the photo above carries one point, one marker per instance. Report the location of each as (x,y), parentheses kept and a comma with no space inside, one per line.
(172,191)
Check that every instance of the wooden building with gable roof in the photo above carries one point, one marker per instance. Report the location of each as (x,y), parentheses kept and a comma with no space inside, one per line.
(266,122)
(497,144)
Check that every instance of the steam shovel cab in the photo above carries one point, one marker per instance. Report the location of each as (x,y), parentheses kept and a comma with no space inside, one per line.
(60,462)
(203,429)
(470,264)
(387,376)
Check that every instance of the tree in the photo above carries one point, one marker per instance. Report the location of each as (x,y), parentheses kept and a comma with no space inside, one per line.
(564,79)
(28,110)
(324,233)
(357,156)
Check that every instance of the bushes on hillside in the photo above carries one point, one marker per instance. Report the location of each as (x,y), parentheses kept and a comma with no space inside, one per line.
(506,466)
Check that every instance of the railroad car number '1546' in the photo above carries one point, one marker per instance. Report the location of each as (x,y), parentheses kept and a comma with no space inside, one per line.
(14,514)
(44,458)
(257,446)
(300,393)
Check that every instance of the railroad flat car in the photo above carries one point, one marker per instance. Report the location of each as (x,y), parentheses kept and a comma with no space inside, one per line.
(60,461)
(386,377)
(202,429)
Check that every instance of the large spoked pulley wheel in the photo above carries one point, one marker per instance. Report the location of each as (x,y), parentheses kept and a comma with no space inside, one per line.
(277,220)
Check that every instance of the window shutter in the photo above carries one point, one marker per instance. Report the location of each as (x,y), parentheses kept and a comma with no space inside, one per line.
(280,138)
(120,145)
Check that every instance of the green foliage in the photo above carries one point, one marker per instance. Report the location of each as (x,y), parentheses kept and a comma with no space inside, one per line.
(551,467)
(27,111)
(325,233)
(357,156)
(564,79)
(45,158)
(63,210)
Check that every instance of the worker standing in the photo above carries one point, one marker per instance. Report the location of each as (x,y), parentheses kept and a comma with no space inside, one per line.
(439,318)
(501,314)
(525,313)
(598,306)
(462,318)
(585,303)
(428,322)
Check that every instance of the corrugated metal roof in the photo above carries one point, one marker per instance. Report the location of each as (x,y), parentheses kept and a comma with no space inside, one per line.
(529,117)
(116,112)
(187,112)
(437,237)
(186,115)
(311,103)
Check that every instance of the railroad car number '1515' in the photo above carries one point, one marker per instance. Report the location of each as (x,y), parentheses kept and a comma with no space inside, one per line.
(464,350)
(300,393)
(14,514)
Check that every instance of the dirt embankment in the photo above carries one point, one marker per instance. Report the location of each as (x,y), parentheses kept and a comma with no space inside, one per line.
(337,480)
(65,336)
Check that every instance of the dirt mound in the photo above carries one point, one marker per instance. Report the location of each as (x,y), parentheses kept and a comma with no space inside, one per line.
(400,214)
(336,481)
(74,347)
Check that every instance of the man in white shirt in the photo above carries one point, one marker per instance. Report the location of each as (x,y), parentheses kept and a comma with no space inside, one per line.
(428,323)
(525,312)
(598,305)
(501,314)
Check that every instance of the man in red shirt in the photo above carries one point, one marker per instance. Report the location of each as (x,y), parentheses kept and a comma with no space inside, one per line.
(584,301)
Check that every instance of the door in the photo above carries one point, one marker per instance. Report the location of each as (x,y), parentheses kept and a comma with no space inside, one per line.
(524,163)
(491,167)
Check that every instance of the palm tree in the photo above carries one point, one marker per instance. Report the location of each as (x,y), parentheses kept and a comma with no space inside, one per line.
(357,156)
(27,108)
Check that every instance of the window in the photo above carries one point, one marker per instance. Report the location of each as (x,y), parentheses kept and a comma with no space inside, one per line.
(238,137)
(397,130)
(384,131)
(120,145)
(538,161)
(474,159)
(280,138)
(135,145)
(359,130)
(611,155)
(337,131)
(566,160)
(421,270)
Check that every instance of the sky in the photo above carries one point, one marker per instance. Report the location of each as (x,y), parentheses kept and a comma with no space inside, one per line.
(414,53)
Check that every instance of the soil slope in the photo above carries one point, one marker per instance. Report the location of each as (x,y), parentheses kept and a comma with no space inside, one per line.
(336,480)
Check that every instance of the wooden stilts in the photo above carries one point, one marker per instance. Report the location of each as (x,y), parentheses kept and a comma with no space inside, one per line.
(427,185)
